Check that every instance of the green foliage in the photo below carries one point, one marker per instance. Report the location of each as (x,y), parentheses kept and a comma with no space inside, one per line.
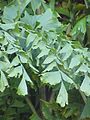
(44,60)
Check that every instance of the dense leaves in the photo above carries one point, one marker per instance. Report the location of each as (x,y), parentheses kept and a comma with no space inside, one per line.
(44,57)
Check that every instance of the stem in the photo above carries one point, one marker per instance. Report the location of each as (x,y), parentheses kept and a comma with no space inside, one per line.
(83,96)
(52,96)
(32,107)
(86,3)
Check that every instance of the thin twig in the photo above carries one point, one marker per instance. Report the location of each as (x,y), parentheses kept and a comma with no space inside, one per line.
(86,3)
(83,96)
(32,107)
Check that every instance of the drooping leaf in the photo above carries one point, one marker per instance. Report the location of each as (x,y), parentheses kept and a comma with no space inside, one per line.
(85,86)
(22,88)
(62,97)
(3,82)
(26,76)
(52,78)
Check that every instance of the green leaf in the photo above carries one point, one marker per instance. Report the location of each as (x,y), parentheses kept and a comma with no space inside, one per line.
(49,59)
(66,51)
(52,78)
(46,112)
(22,5)
(23,56)
(86,111)
(35,4)
(62,97)
(29,19)
(83,68)
(15,61)
(48,21)
(50,66)
(3,82)
(66,78)
(9,38)
(85,86)
(7,26)
(11,49)
(52,4)
(4,65)
(75,61)
(63,11)
(14,72)
(34,117)
(43,48)
(79,27)
(25,76)
(10,13)
(22,88)
(31,37)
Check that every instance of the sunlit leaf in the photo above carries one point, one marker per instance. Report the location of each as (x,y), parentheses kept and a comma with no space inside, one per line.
(3,82)
(52,78)
(62,97)
(85,86)
(22,88)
